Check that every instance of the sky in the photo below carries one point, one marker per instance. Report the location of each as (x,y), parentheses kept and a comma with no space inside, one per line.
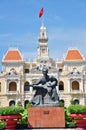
(65,22)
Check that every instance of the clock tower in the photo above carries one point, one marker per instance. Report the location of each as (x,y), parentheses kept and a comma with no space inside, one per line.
(43,58)
(43,51)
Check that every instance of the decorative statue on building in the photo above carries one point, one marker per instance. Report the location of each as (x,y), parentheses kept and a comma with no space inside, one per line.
(46,93)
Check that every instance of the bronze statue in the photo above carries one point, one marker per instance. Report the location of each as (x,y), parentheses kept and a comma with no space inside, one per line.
(46,94)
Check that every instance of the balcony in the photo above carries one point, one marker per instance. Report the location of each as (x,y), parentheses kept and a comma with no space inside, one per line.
(61,91)
(12,93)
(76,92)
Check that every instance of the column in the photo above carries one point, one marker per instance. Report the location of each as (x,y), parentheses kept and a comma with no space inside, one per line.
(69,85)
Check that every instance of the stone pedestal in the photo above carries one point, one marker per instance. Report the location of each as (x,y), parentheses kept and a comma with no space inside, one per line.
(46,117)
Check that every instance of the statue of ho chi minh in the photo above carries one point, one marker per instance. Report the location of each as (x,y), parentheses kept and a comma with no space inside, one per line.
(46,93)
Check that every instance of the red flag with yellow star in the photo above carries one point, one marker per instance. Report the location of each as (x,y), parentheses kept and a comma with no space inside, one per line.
(41,12)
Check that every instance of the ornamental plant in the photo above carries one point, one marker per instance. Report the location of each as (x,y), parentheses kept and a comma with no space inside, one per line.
(11,110)
(23,122)
(2,125)
(76,109)
(24,119)
(19,104)
(69,122)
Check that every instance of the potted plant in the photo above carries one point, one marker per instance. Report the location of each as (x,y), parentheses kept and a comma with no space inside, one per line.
(10,115)
(78,114)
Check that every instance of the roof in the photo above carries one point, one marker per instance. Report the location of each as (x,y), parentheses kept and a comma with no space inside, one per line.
(13,55)
(74,54)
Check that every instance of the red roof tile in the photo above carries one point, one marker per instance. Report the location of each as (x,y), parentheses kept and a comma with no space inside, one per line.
(74,55)
(13,54)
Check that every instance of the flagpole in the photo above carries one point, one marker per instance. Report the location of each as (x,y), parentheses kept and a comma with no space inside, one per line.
(43,18)
(41,12)
(42,22)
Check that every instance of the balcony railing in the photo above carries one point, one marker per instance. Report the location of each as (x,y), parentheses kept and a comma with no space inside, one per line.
(76,91)
(12,93)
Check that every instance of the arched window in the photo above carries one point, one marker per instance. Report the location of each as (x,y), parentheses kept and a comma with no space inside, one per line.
(42,34)
(26,86)
(76,101)
(12,103)
(75,85)
(61,85)
(12,86)
(26,70)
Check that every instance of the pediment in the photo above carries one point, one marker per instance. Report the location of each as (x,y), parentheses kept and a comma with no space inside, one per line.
(12,73)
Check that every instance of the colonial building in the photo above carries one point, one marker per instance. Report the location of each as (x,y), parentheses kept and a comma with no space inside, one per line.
(17,74)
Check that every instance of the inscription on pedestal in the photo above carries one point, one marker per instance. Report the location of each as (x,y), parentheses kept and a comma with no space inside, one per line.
(46,112)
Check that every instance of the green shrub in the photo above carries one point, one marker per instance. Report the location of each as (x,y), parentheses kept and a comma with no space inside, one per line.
(71,124)
(68,120)
(24,119)
(72,102)
(61,104)
(77,109)
(29,105)
(2,125)
(19,104)
(10,110)
(73,109)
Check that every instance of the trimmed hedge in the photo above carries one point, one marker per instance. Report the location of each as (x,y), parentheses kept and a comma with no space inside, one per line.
(77,109)
(11,110)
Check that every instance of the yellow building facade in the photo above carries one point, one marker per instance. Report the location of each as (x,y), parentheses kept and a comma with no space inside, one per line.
(17,75)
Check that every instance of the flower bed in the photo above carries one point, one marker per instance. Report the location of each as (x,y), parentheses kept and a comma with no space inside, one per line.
(78,114)
(10,115)
(80,119)
(11,121)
